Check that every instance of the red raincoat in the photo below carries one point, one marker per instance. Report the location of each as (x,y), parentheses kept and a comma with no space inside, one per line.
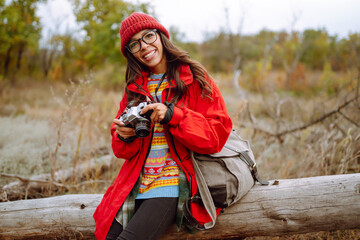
(198,123)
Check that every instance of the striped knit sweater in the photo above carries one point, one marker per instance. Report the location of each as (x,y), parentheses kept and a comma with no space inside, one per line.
(160,176)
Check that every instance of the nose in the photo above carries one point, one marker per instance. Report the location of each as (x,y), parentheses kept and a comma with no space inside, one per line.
(143,45)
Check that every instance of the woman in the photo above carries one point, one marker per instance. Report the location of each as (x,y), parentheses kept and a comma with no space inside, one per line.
(187,113)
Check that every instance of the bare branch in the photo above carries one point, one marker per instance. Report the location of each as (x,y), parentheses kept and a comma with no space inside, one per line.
(320,119)
(258,129)
(26,180)
(303,127)
(251,116)
(349,119)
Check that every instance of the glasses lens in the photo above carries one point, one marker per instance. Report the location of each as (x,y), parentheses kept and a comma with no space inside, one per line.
(149,37)
(134,46)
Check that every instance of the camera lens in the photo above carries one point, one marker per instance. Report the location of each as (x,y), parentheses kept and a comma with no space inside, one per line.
(142,128)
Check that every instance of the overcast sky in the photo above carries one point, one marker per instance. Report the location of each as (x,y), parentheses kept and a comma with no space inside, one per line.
(195,18)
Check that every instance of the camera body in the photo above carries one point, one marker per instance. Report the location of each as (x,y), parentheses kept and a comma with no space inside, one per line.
(132,118)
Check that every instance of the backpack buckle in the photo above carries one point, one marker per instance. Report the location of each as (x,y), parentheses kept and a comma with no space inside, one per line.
(195,198)
(253,167)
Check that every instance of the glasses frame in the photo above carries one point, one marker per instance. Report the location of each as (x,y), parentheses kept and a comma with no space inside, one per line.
(142,39)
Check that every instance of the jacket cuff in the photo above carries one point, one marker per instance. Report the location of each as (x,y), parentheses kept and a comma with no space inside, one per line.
(169,113)
(126,140)
(177,116)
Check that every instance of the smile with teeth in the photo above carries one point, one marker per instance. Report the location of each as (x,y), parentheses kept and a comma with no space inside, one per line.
(149,54)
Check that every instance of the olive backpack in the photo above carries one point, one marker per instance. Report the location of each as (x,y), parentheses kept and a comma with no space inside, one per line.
(223,178)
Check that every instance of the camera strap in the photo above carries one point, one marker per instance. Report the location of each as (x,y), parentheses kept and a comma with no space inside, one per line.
(158,86)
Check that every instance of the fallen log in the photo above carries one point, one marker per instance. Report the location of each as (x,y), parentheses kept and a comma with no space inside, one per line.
(286,207)
(34,186)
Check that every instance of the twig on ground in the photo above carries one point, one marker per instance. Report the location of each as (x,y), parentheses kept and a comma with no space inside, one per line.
(320,119)
(349,119)
(26,180)
(305,126)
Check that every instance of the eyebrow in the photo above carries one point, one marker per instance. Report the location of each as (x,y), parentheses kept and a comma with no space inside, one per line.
(143,31)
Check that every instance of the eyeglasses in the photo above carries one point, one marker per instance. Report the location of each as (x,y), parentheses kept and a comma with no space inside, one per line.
(135,45)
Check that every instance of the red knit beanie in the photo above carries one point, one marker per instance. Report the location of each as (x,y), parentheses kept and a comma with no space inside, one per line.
(135,23)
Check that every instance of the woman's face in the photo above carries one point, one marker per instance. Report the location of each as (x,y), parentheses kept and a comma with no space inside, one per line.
(151,55)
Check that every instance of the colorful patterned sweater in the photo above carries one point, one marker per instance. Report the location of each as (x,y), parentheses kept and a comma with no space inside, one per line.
(160,176)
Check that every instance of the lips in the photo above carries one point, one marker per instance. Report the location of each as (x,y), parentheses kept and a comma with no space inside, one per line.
(149,55)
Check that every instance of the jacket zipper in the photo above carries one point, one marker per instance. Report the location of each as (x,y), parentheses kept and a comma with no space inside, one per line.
(173,143)
(152,135)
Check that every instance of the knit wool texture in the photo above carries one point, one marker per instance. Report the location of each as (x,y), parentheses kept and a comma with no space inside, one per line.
(135,23)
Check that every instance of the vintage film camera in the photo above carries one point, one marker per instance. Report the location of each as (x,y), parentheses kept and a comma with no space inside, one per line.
(132,118)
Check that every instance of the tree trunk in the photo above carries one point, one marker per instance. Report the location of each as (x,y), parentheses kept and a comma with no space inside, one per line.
(286,207)
(47,58)
(7,61)
(19,56)
(236,75)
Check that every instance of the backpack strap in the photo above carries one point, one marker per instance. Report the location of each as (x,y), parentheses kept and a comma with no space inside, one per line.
(252,165)
(205,196)
(191,221)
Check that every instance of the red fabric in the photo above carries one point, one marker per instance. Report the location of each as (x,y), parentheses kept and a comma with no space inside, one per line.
(198,124)
(200,212)
(135,23)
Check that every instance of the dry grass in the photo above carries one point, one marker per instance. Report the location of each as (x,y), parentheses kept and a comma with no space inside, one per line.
(329,147)
(46,127)
(332,146)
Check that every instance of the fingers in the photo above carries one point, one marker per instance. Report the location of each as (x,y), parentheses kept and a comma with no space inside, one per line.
(148,108)
(159,111)
(118,122)
(123,131)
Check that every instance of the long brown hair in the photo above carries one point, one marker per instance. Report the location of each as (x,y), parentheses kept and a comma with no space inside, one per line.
(174,58)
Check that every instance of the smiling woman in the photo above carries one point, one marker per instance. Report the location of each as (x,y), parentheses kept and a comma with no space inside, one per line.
(151,53)
(176,97)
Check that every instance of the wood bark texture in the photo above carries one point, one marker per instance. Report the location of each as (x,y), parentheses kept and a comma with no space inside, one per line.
(285,207)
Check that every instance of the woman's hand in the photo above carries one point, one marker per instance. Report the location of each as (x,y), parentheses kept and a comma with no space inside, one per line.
(124,132)
(158,114)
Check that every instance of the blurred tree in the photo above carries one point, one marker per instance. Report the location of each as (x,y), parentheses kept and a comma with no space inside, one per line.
(19,30)
(345,53)
(100,19)
(217,53)
(289,49)
(47,54)
(316,53)
(66,53)
(265,41)
(353,47)
(97,47)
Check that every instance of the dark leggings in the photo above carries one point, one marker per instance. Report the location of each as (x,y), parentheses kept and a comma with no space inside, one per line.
(152,217)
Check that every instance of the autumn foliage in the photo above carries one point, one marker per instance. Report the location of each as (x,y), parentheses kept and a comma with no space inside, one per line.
(286,57)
